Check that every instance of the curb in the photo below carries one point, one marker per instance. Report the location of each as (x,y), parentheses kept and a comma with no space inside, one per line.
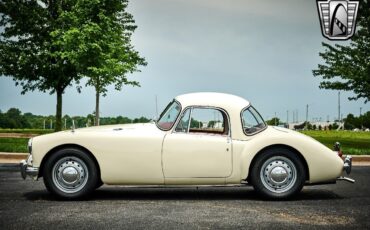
(18,135)
(13,156)
(361,158)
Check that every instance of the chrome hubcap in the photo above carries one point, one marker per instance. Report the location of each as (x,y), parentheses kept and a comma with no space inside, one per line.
(70,174)
(278,174)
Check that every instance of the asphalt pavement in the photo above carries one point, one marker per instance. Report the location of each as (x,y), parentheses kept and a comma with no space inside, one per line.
(27,205)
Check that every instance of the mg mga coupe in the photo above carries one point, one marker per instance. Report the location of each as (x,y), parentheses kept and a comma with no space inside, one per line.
(199,139)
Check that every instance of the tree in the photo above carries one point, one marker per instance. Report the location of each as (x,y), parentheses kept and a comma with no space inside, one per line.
(196,124)
(365,120)
(347,67)
(14,119)
(273,121)
(98,40)
(140,120)
(30,50)
(2,120)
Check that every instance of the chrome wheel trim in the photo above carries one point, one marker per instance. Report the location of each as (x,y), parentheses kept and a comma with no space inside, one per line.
(278,174)
(70,174)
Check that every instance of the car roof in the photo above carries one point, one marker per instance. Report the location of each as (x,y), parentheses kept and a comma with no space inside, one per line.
(228,102)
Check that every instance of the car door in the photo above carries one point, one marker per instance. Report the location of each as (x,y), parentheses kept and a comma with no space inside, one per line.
(199,146)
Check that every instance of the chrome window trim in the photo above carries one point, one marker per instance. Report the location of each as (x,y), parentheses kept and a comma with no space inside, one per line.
(242,123)
(191,113)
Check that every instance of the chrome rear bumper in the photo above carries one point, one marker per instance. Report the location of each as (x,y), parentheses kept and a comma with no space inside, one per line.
(347,167)
(27,170)
(346,179)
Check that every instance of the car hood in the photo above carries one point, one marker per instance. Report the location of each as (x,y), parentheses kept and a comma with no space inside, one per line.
(120,129)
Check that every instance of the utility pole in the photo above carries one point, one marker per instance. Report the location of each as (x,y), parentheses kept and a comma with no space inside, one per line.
(275,118)
(296,116)
(51,124)
(44,123)
(156,107)
(361,117)
(65,123)
(287,117)
(307,113)
(338,105)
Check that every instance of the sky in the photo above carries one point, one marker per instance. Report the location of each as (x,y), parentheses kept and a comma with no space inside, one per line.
(261,50)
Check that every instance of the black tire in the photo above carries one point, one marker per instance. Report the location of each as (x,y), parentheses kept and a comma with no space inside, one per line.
(70,173)
(278,173)
(99,184)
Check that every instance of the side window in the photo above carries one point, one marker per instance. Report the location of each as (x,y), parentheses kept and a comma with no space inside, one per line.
(169,116)
(252,121)
(183,124)
(208,120)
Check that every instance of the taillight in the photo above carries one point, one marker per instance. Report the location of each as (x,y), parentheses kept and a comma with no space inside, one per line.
(337,149)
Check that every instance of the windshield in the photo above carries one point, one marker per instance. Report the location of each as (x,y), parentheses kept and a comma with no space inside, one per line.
(252,121)
(169,115)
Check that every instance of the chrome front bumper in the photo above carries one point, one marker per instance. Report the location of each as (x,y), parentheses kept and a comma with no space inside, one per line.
(27,170)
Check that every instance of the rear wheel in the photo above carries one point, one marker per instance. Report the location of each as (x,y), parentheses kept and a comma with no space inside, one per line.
(70,173)
(278,173)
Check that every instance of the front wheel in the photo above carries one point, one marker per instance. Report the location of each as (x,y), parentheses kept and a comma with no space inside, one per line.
(278,174)
(70,173)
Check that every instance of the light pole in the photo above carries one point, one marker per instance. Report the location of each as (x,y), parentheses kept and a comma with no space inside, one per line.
(360,117)
(307,113)
(339,106)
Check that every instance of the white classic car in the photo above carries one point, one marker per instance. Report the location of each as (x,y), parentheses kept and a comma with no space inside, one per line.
(199,139)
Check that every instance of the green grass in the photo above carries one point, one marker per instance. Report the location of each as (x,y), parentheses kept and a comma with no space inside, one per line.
(18,145)
(353,143)
(27,131)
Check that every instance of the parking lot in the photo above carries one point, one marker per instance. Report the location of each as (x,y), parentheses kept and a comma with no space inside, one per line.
(27,204)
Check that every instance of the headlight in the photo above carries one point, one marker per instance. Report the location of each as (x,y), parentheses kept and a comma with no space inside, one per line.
(30,146)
